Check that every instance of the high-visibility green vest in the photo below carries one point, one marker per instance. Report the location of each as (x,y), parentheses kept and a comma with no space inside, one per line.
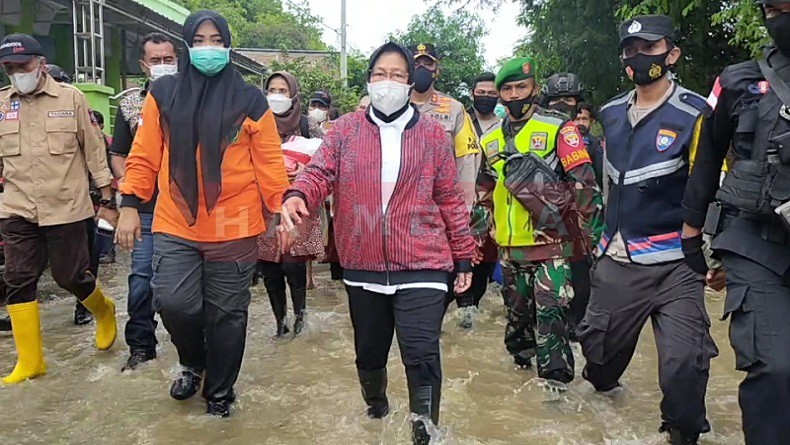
(539,136)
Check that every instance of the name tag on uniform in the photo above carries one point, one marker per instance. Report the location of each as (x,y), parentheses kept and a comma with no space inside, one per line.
(64,113)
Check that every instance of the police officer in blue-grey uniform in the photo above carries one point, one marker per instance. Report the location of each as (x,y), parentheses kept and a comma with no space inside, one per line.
(651,134)
(750,126)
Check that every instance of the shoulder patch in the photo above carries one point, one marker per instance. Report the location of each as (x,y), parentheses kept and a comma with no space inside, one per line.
(571,151)
(570,135)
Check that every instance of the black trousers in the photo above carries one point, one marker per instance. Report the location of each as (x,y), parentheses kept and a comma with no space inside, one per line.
(275,275)
(415,316)
(758,305)
(623,297)
(201,291)
(27,248)
(481,276)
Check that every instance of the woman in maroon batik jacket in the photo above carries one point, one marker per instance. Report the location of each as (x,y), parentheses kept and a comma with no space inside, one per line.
(401,227)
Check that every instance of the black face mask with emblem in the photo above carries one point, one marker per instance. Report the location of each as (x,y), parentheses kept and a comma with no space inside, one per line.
(518,107)
(647,68)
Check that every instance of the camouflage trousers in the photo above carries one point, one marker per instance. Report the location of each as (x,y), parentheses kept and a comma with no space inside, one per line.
(538,295)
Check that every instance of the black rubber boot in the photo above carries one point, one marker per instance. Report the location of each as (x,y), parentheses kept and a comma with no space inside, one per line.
(423,401)
(277,299)
(5,324)
(299,300)
(82,316)
(186,384)
(374,391)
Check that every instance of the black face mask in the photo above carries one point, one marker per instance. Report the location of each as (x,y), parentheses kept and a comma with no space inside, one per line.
(779,30)
(583,129)
(518,107)
(423,79)
(564,108)
(647,69)
(485,104)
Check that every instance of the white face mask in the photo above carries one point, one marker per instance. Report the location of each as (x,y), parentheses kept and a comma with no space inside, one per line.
(161,70)
(26,83)
(388,96)
(317,114)
(279,103)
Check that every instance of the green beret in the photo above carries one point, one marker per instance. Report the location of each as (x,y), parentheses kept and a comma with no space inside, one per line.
(519,68)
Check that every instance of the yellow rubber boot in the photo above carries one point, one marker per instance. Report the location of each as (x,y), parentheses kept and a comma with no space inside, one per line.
(103,309)
(26,325)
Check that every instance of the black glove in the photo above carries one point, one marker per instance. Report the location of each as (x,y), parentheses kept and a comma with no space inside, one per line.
(695,257)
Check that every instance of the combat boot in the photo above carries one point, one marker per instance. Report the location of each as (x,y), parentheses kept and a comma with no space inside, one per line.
(678,437)
(374,391)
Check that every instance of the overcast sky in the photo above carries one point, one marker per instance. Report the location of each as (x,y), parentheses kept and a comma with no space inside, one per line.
(369,22)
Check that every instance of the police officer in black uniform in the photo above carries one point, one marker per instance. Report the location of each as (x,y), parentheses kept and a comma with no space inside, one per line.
(563,92)
(751,121)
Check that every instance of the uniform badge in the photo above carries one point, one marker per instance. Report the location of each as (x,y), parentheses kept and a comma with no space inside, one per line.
(63,113)
(2,116)
(539,141)
(763,86)
(635,27)
(15,105)
(526,68)
(665,139)
(570,136)
(12,116)
(492,148)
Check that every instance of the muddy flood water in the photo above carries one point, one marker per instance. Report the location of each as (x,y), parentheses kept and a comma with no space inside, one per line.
(305,391)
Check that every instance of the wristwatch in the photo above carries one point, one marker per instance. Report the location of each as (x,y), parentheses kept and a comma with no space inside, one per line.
(108,203)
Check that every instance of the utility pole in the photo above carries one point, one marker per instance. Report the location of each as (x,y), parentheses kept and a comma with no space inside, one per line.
(343,54)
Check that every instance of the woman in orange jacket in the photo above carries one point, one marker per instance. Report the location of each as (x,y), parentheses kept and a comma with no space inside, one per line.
(211,140)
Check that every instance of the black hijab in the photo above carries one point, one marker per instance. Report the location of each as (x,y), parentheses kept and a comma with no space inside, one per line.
(196,109)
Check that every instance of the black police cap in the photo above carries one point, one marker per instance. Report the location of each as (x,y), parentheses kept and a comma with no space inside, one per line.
(647,27)
(425,50)
(322,97)
(58,74)
(19,48)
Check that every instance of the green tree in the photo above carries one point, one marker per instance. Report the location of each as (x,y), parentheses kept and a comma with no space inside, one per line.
(265,23)
(582,36)
(457,38)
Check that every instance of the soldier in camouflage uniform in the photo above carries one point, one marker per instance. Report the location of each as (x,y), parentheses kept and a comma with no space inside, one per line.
(546,211)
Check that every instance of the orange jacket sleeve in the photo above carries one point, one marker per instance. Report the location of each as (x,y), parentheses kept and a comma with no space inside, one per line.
(269,162)
(145,158)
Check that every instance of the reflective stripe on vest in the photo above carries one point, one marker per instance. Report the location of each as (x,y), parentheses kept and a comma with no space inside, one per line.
(513,222)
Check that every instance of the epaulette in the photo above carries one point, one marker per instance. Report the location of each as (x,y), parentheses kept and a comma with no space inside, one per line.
(693,99)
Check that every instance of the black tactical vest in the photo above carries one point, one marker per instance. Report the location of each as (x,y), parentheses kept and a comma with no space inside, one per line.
(759,180)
